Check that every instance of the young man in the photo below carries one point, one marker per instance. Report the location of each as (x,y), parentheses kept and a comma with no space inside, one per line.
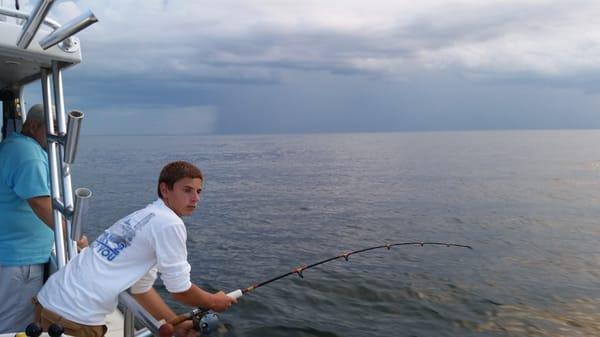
(128,255)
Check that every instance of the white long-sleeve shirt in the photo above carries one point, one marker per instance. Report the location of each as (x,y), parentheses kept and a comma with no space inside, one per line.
(127,255)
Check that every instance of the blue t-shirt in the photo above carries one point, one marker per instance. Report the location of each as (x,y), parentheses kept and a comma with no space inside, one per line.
(24,174)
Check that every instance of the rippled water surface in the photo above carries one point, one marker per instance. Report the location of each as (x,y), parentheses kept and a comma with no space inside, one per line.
(527,201)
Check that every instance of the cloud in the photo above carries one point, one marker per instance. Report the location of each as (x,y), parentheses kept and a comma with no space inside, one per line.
(242,41)
(313,65)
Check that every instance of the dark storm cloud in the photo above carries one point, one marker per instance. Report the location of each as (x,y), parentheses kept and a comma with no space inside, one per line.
(343,66)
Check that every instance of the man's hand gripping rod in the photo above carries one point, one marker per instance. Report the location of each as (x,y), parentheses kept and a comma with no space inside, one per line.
(204,320)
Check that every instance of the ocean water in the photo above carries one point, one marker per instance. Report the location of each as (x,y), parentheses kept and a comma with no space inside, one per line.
(527,201)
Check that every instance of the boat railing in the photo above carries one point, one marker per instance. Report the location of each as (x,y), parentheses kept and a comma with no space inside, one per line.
(132,310)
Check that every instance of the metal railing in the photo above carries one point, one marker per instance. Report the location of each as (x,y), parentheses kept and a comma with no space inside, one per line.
(133,310)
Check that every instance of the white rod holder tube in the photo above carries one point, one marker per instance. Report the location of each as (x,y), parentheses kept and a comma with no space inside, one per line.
(82,200)
(74,125)
(69,29)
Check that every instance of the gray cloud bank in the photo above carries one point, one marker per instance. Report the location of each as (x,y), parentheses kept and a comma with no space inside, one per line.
(302,66)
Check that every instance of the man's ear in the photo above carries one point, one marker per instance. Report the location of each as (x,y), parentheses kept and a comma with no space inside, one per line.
(164,189)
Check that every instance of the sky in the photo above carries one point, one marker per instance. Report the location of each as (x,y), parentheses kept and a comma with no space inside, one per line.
(248,67)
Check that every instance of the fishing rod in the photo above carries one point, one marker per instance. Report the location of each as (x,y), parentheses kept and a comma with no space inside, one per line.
(206,320)
(299,271)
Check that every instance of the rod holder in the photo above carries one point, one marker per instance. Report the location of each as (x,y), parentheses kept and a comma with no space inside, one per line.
(82,198)
(57,139)
(73,127)
(59,206)
(33,23)
(69,29)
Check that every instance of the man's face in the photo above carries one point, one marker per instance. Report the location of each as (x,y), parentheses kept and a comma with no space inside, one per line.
(184,196)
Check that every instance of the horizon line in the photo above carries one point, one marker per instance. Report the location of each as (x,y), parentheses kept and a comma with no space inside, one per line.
(339,132)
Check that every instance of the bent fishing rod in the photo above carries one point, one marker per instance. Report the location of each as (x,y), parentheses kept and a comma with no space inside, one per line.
(205,320)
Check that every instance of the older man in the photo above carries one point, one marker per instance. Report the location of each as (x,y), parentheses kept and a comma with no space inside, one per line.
(26,225)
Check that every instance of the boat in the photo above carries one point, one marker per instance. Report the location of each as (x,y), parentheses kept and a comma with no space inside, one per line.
(35,48)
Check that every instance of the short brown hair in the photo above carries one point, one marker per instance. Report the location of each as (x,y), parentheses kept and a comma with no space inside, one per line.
(173,172)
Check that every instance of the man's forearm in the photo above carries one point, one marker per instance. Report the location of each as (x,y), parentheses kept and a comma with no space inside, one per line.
(155,305)
(42,207)
(195,297)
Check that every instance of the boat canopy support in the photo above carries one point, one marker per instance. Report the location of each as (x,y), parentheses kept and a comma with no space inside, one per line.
(33,23)
(62,145)
(53,162)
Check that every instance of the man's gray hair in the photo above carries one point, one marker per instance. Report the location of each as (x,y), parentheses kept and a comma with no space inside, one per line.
(36,114)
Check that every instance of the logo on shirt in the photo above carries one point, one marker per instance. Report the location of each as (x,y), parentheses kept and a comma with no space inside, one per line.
(119,236)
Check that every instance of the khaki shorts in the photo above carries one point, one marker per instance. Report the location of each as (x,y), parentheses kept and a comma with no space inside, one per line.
(45,318)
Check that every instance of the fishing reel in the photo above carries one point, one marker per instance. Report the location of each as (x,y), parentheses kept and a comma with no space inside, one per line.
(205,321)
